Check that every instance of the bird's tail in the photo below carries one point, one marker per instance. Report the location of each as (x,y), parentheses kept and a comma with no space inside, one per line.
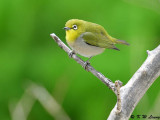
(121,42)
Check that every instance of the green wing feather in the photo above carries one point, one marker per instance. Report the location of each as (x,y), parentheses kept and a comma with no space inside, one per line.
(98,40)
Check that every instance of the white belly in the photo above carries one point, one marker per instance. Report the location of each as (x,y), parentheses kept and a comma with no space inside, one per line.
(84,49)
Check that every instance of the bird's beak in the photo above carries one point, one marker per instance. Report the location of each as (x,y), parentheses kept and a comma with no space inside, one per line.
(67,28)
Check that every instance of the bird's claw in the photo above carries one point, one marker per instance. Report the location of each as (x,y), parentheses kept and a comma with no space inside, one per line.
(71,53)
(85,66)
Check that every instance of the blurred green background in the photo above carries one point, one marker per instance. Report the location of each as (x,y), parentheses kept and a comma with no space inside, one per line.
(28,53)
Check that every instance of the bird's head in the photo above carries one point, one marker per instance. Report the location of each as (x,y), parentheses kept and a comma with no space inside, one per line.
(74,28)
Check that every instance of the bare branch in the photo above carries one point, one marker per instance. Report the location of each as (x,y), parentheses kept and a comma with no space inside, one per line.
(99,75)
(129,95)
(137,86)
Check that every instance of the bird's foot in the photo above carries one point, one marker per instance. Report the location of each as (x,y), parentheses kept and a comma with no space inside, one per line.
(70,54)
(85,66)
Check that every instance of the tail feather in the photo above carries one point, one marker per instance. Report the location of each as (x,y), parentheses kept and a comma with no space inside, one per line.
(122,42)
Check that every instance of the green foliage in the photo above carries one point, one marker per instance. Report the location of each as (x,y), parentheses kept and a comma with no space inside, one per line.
(27,52)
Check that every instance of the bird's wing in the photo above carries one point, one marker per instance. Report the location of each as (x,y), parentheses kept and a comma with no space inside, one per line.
(98,40)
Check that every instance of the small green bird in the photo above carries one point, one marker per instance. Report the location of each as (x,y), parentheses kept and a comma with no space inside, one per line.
(89,39)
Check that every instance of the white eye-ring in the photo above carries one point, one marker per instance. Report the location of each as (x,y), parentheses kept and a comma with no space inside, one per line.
(75,27)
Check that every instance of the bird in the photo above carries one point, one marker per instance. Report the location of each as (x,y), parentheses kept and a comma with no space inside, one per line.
(89,39)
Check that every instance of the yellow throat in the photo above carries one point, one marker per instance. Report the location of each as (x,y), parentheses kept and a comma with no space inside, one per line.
(71,35)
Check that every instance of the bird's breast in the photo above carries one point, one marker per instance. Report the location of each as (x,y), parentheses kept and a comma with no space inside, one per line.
(80,47)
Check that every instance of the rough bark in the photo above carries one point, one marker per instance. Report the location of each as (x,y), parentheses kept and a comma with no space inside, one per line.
(137,86)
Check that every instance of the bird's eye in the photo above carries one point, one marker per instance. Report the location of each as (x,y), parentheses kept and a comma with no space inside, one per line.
(74,27)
